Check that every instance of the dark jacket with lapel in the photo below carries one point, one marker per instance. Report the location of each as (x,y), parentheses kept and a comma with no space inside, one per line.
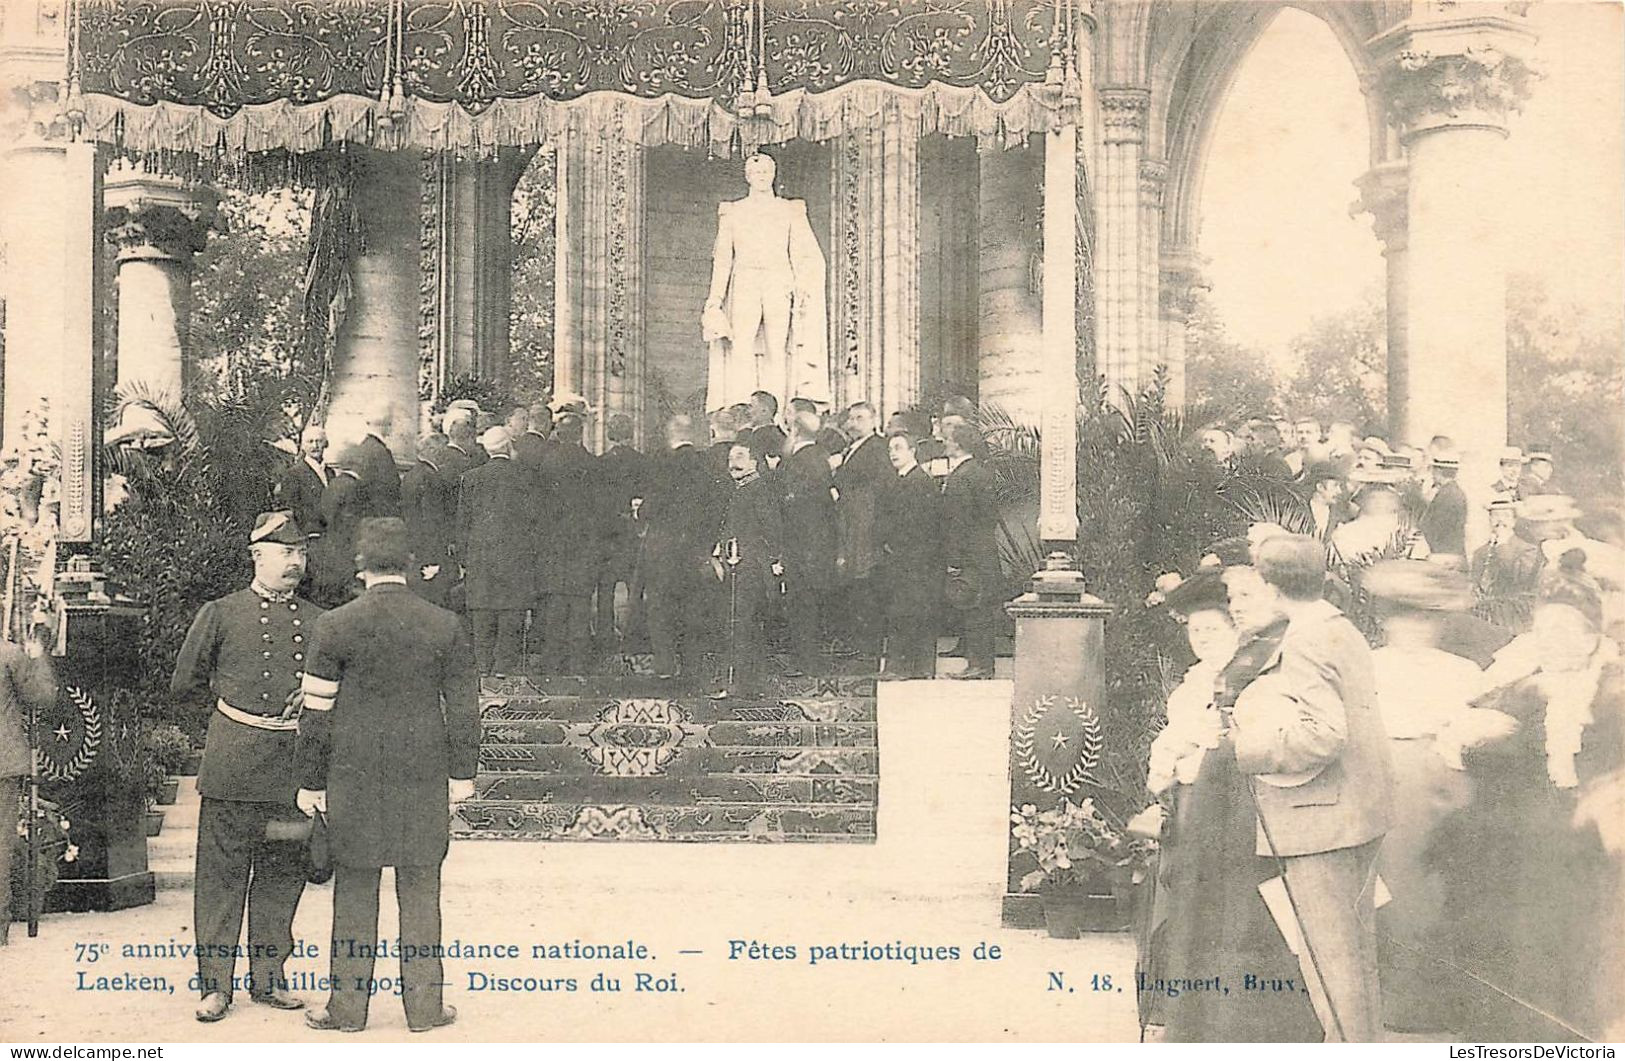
(683,512)
(569,523)
(299,489)
(333,559)
(909,525)
(970,522)
(809,516)
(496,515)
(860,481)
(621,474)
(380,479)
(754,521)
(430,510)
(23,681)
(1444,523)
(399,675)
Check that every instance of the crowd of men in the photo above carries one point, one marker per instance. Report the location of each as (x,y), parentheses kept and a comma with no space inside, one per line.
(756,537)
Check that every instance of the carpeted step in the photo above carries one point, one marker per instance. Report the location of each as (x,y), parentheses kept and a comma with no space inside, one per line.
(633,758)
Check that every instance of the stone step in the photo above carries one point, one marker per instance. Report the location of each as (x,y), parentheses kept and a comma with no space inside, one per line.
(636,686)
(591,709)
(632,734)
(685,791)
(658,822)
(680,761)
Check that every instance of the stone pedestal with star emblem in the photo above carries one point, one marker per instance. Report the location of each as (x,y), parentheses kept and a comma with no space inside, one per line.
(90,762)
(1056,738)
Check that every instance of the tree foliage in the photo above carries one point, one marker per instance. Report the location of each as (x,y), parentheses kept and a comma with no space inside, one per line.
(1220,372)
(530,315)
(1342,368)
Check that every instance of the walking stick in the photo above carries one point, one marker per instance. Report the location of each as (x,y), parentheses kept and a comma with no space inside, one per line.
(730,556)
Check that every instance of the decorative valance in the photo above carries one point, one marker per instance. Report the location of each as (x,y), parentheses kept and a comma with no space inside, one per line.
(208,76)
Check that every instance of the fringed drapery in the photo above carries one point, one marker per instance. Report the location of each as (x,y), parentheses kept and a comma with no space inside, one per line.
(168,130)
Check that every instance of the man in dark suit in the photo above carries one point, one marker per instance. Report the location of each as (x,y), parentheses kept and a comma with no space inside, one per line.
(496,511)
(26,682)
(299,487)
(681,515)
(621,480)
(391,731)
(809,540)
(429,506)
(908,527)
(567,549)
(763,428)
(1328,504)
(1505,571)
(862,478)
(463,449)
(380,476)
(748,559)
(1308,733)
(724,430)
(244,656)
(340,512)
(971,545)
(535,441)
(1444,521)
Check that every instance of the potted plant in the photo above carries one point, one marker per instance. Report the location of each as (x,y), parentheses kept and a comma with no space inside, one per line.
(55,846)
(171,749)
(154,781)
(1086,867)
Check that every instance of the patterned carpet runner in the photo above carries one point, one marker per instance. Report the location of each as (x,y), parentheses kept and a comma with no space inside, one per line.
(629,758)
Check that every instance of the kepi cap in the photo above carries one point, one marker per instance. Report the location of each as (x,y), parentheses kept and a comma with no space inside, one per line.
(277,527)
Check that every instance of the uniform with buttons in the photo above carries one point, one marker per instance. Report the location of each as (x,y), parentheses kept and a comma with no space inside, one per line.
(248,650)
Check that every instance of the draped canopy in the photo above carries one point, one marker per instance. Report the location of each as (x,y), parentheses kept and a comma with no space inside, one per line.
(208,76)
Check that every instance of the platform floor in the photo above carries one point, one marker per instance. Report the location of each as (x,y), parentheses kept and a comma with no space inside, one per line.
(932,880)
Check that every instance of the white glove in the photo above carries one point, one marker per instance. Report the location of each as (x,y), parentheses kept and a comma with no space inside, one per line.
(312,800)
(430,571)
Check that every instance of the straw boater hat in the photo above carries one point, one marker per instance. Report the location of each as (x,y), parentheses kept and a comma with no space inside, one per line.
(1418,585)
(1445,457)
(1548,508)
(1511,455)
(1502,504)
(276,527)
(1539,452)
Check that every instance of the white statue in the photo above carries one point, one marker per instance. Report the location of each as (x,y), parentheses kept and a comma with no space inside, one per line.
(767,278)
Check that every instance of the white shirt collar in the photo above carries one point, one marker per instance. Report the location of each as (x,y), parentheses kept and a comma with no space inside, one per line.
(954,462)
(803,444)
(383,580)
(908,468)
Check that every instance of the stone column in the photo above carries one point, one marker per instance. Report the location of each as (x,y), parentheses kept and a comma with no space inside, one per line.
(1179,278)
(874,290)
(1383,195)
(598,350)
(1011,329)
(1058,470)
(1450,84)
(1119,243)
(375,379)
(1450,81)
(157,224)
(1153,178)
(52,233)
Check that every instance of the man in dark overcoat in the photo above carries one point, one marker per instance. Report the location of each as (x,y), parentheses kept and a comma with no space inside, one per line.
(495,516)
(971,545)
(1505,571)
(750,553)
(27,683)
(533,445)
(809,540)
(429,506)
(620,479)
(333,553)
(380,476)
(389,738)
(682,514)
(1444,521)
(300,485)
(864,475)
(566,549)
(909,531)
(247,653)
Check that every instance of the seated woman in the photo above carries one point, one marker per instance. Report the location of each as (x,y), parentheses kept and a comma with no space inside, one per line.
(1533,864)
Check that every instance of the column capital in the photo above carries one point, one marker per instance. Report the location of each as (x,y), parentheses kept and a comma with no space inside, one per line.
(1383,191)
(1180,274)
(150,216)
(1153,178)
(1123,114)
(1450,67)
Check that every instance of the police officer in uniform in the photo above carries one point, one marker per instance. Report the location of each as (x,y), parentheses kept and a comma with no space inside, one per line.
(247,652)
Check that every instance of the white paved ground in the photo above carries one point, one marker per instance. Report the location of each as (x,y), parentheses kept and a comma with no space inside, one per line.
(931,882)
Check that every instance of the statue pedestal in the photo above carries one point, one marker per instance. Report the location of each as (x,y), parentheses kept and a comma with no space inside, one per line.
(1060,691)
(91,762)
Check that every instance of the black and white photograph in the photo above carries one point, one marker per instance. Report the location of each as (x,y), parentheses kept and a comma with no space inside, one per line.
(811,521)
